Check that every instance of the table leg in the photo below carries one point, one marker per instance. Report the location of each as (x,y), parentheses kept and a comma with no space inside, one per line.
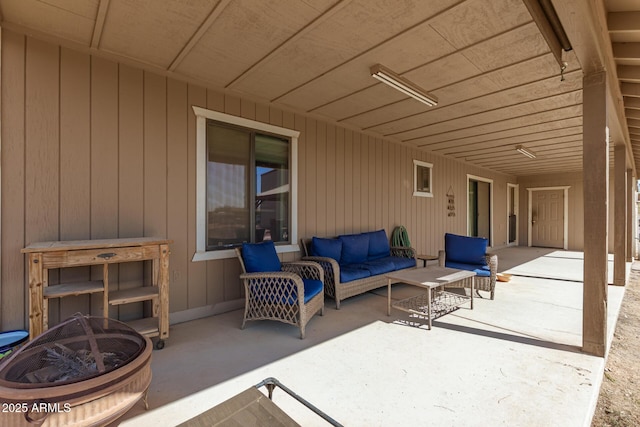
(429,307)
(388,297)
(473,286)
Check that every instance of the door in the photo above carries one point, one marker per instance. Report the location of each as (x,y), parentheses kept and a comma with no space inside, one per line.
(512,214)
(547,218)
(479,214)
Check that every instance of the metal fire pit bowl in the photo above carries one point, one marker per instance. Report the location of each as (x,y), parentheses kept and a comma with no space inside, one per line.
(86,371)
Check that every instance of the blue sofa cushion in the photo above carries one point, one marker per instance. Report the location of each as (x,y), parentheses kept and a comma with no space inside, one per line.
(355,248)
(330,248)
(348,273)
(260,257)
(402,262)
(480,270)
(312,287)
(378,245)
(467,250)
(376,266)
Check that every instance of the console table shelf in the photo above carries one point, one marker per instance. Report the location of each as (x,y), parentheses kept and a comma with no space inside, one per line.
(44,256)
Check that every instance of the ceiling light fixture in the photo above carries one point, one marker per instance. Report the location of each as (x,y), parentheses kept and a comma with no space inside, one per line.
(525,151)
(405,86)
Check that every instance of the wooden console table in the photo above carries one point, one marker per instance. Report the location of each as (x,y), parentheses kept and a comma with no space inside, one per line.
(44,256)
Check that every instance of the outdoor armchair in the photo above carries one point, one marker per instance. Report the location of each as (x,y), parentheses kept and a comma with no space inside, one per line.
(289,292)
(470,253)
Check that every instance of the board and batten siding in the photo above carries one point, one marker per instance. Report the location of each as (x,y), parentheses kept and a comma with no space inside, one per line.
(95,149)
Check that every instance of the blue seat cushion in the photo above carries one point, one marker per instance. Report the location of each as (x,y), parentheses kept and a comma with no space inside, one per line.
(355,248)
(467,250)
(378,245)
(260,257)
(330,248)
(480,270)
(376,266)
(312,287)
(348,273)
(401,262)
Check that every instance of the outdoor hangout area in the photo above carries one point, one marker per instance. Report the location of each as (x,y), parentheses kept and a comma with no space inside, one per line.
(404,213)
(498,363)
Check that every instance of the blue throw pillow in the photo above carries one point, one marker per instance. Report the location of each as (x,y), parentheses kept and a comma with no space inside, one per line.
(355,248)
(331,248)
(260,257)
(468,250)
(378,245)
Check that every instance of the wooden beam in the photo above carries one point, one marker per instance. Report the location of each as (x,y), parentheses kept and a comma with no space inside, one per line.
(632,114)
(634,123)
(541,20)
(626,50)
(99,25)
(595,173)
(620,22)
(630,89)
(619,216)
(629,73)
(629,235)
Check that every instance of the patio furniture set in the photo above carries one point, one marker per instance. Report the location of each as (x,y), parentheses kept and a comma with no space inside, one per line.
(352,264)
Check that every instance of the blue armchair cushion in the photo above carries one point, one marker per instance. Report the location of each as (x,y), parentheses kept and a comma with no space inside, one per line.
(260,257)
(355,248)
(466,250)
(481,271)
(312,287)
(378,245)
(348,273)
(330,248)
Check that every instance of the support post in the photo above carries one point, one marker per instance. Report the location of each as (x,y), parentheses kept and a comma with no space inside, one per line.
(630,205)
(620,215)
(596,195)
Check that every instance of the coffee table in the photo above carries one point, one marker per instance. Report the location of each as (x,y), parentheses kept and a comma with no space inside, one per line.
(435,302)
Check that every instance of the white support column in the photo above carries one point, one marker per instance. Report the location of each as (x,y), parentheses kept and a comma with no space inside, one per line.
(596,197)
(620,215)
(630,206)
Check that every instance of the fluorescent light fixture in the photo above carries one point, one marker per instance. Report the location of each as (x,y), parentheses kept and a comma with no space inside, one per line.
(523,150)
(405,86)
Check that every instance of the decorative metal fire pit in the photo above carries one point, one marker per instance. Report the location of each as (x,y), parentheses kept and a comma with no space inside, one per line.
(86,371)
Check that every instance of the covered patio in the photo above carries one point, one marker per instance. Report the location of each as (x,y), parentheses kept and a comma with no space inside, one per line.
(512,361)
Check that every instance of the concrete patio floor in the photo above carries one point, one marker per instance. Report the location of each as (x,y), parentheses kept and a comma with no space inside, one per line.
(513,361)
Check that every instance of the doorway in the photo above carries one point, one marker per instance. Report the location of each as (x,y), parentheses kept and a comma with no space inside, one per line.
(512,214)
(480,207)
(548,217)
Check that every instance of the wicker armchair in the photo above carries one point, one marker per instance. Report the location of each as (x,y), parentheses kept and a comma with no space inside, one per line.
(287,292)
(483,281)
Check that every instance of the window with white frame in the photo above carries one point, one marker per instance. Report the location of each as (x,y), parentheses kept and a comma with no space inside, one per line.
(422,179)
(246,183)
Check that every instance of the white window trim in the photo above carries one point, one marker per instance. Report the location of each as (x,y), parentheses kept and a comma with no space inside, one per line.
(202,115)
(417,193)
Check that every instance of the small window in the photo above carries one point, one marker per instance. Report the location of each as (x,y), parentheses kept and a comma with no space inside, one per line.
(422,179)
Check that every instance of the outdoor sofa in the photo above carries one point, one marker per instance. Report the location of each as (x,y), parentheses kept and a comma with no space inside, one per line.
(356,263)
(470,253)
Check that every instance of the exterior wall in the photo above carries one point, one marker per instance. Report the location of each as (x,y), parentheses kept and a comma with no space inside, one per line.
(94,149)
(575,211)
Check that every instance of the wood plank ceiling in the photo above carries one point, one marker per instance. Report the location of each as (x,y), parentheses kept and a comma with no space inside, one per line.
(623,23)
(498,84)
